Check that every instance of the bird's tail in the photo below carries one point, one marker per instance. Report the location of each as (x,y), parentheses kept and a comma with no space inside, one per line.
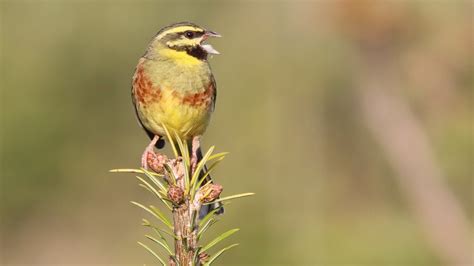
(205,209)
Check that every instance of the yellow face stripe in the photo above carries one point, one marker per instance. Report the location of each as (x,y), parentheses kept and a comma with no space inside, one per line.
(179,29)
(180,57)
(183,42)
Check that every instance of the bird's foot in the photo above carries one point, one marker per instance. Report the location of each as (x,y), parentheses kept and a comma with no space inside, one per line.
(144,159)
(196,144)
(149,150)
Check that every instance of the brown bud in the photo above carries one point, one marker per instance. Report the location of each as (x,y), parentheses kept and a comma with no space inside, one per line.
(156,161)
(210,192)
(203,257)
(175,194)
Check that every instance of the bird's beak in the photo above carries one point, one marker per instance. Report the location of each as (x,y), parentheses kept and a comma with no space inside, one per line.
(207,47)
(210,33)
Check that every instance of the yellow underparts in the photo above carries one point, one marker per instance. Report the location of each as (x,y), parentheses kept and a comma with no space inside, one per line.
(185,119)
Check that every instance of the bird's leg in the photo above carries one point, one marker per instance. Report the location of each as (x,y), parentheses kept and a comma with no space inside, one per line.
(195,147)
(148,149)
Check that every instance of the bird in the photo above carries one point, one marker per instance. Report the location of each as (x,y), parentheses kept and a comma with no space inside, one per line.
(173,86)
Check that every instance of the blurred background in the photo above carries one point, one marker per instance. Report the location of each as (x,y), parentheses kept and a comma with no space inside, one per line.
(352,121)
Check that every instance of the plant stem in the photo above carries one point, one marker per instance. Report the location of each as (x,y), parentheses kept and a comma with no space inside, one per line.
(186,242)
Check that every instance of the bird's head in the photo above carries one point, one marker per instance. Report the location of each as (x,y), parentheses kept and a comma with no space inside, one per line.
(183,38)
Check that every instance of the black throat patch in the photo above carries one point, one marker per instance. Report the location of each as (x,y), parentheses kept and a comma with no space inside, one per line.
(194,51)
(197,51)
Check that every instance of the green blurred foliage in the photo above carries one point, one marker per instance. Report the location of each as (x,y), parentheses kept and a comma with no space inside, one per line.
(286,112)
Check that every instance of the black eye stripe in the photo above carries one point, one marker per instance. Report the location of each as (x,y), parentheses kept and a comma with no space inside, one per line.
(192,34)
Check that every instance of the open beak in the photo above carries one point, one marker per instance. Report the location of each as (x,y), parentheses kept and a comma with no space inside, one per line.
(211,33)
(207,47)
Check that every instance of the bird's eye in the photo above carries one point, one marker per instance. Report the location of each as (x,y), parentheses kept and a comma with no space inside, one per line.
(189,34)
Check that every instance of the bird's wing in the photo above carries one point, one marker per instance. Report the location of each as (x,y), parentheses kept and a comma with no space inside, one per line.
(214,96)
(161,142)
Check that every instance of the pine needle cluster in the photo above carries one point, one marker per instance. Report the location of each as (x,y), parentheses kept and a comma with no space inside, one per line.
(182,188)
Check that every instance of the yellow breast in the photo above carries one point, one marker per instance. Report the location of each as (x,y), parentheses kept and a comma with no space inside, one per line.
(178,97)
(186,119)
